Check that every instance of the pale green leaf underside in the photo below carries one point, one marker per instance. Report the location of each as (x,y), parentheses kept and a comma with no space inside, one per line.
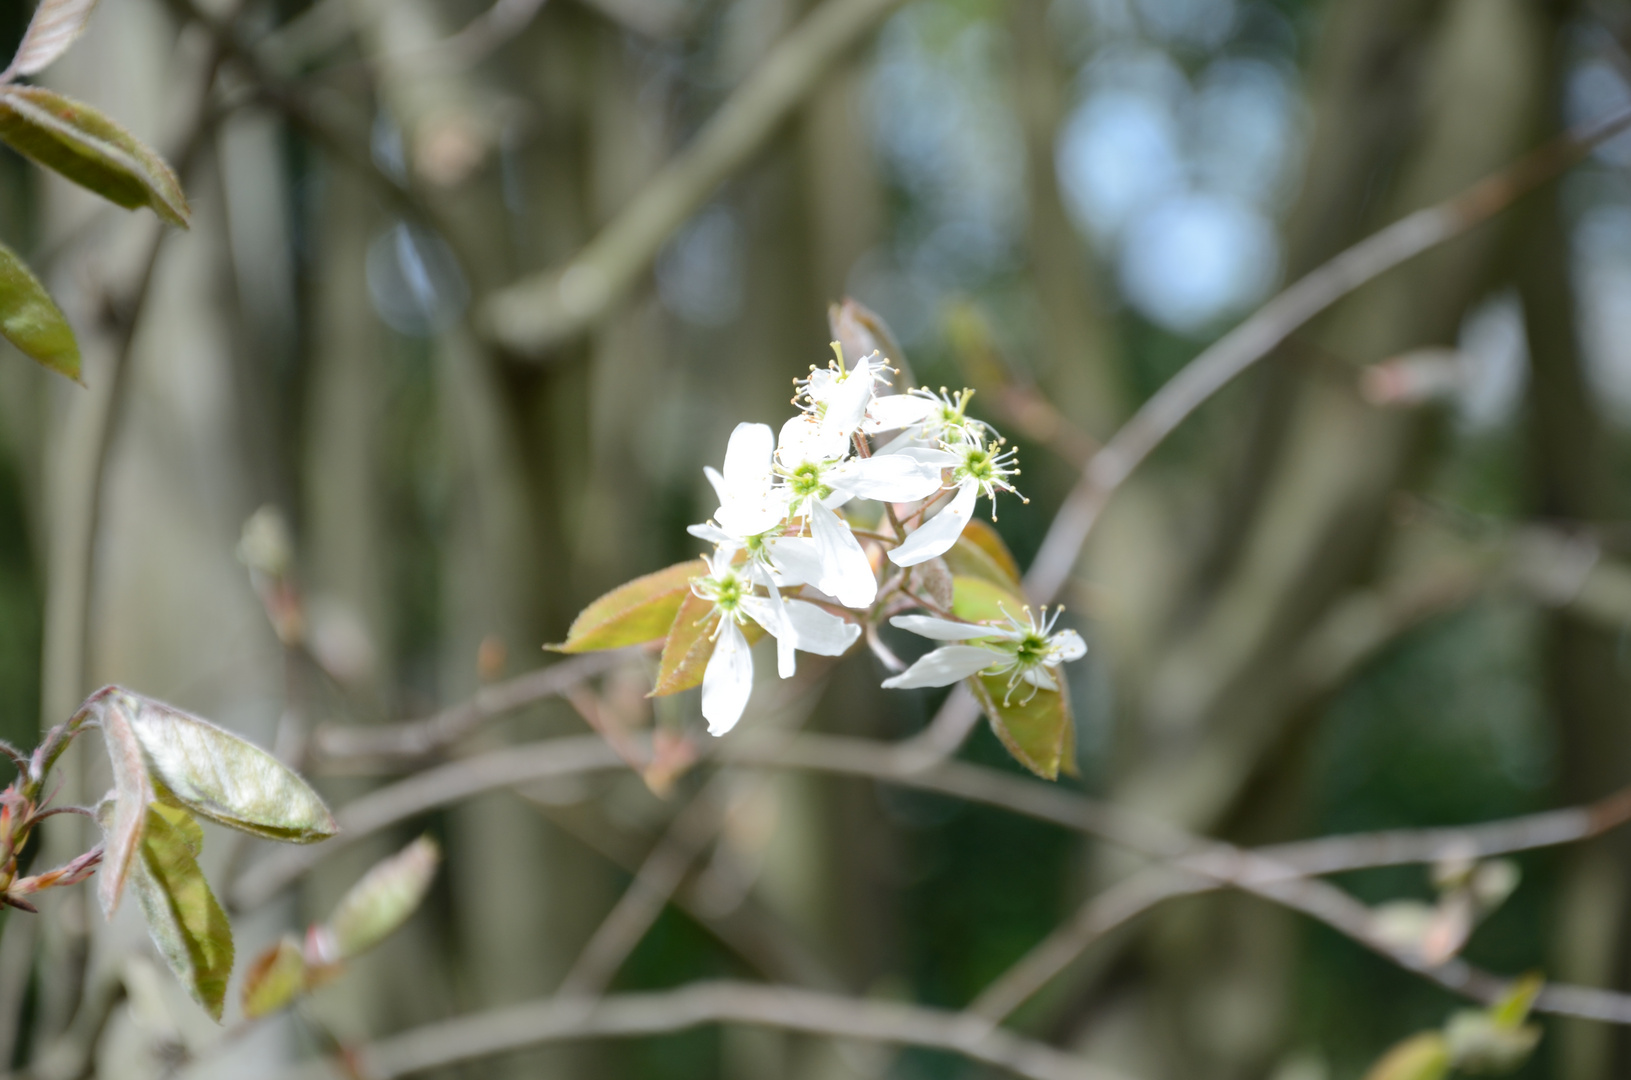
(384,899)
(31,320)
(183,917)
(87,147)
(217,775)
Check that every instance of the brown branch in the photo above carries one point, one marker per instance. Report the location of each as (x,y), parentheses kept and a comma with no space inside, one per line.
(419,738)
(512,1028)
(1271,324)
(539,311)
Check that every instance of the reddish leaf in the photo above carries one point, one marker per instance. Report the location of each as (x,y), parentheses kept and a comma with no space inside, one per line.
(642,610)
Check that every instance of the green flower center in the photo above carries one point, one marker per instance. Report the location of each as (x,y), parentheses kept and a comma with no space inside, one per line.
(806,481)
(979,465)
(1031,650)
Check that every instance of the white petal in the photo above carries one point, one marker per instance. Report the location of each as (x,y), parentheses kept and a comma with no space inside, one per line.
(920,452)
(896,411)
(888,478)
(936,536)
(943,667)
(1041,678)
(727,682)
(1067,645)
(847,403)
(845,572)
(771,614)
(721,488)
(751,515)
(747,457)
(711,533)
(804,438)
(796,560)
(943,629)
(821,632)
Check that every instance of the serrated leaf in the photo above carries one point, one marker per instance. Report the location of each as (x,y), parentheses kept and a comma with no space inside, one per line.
(968,557)
(125,815)
(1420,1057)
(31,320)
(183,917)
(55,25)
(218,775)
(71,138)
(687,648)
(276,978)
(975,599)
(642,610)
(1035,732)
(378,904)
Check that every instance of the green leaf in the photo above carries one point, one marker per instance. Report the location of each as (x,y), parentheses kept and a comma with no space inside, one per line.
(1421,1057)
(379,903)
(186,923)
(31,320)
(979,552)
(639,611)
(1036,732)
(88,148)
(217,775)
(124,815)
(276,978)
(55,25)
(975,599)
(1513,1008)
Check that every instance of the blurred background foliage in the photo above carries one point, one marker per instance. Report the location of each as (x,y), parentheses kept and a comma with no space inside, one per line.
(1058,202)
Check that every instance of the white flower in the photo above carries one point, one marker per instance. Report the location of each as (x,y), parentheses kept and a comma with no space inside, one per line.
(818,480)
(1029,650)
(750,502)
(837,397)
(925,418)
(727,681)
(976,469)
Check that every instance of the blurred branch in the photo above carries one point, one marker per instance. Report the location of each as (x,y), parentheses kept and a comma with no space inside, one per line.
(1116,906)
(1272,324)
(324,131)
(449,1042)
(419,738)
(654,885)
(537,312)
(751,931)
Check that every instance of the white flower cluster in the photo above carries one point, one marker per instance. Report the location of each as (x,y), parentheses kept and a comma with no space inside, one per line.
(776,529)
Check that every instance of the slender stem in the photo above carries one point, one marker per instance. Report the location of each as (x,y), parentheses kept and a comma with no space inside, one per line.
(1271,324)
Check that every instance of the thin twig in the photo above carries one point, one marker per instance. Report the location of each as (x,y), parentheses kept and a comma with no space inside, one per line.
(419,738)
(539,311)
(1271,324)
(485,1034)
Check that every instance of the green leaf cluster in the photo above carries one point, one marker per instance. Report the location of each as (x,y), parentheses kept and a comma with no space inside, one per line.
(83,145)
(169,769)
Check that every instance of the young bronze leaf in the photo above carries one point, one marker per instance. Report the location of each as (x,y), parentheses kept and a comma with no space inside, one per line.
(1036,732)
(378,904)
(217,775)
(55,25)
(186,923)
(31,320)
(276,978)
(124,815)
(639,611)
(686,652)
(88,148)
